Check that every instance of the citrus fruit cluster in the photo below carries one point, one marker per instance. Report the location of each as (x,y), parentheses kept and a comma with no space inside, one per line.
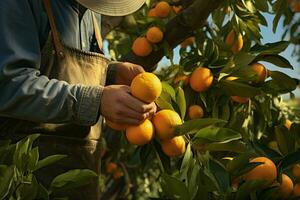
(267,171)
(147,88)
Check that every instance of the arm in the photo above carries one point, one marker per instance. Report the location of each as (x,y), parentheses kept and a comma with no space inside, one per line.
(25,94)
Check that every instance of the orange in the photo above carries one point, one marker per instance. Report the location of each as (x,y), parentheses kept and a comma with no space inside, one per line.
(115,126)
(118,174)
(295,6)
(146,87)
(195,112)
(234,41)
(286,186)
(140,134)
(141,47)
(111,167)
(177,9)
(201,79)
(183,78)
(237,99)
(265,171)
(260,71)
(296,170)
(173,147)
(164,122)
(154,35)
(288,124)
(152,13)
(227,9)
(187,42)
(296,190)
(162,9)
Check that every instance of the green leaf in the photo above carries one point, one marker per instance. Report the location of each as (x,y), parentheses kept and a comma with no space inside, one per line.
(169,90)
(215,134)
(163,104)
(276,60)
(270,48)
(33,158)
(243,59)
(42,193)
(193,181)
(49,161)
(285,140)
(233,146)
(249,187)
(180,99)
(221,175)
(27,191)
(289,160)
(195,125)
(6,180)
(280,83)
(72,179)
(185,165)
(239,162)
(174,188)
(236,88)
(262,5)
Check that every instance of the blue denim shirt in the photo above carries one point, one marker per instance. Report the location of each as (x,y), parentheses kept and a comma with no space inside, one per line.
(24,93)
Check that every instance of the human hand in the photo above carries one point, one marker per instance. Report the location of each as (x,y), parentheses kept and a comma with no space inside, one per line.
(125,72)
(119,106)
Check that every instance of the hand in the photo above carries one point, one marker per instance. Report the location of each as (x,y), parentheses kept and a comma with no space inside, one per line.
(119,106)
(125,72)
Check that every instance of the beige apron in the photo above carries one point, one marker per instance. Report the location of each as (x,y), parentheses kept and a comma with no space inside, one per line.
(80,143)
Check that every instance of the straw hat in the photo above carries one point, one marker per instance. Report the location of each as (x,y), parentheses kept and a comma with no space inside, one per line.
(113,7)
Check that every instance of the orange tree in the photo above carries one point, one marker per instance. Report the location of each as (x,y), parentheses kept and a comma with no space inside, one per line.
(240,139)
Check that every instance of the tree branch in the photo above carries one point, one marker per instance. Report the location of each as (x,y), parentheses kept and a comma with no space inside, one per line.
(178,29)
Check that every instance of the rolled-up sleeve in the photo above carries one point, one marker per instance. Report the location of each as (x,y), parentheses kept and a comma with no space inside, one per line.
(24,92)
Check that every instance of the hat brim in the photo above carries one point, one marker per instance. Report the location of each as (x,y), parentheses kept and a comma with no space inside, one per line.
(113,7)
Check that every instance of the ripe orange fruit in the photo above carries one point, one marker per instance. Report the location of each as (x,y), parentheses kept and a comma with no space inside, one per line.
(184,78)
(286,186)
(234,41)
(111,167)
(164,122)
(141,47)
(296,190)
(195,112)
(260,71)
(187,42)
(288,124)
(296,170)
(265,171)
(140,134)
(118,174)
(146,87)
(115,126)
(173,147)
(154,35)
(177,9)
(201,79)
(152,13)
(295,6)
(237,99)
(162,9)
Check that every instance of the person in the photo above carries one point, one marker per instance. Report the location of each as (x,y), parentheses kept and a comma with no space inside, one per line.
(55,81)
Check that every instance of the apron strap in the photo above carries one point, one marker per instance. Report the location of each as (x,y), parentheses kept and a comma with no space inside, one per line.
(55,34)
(97,32)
